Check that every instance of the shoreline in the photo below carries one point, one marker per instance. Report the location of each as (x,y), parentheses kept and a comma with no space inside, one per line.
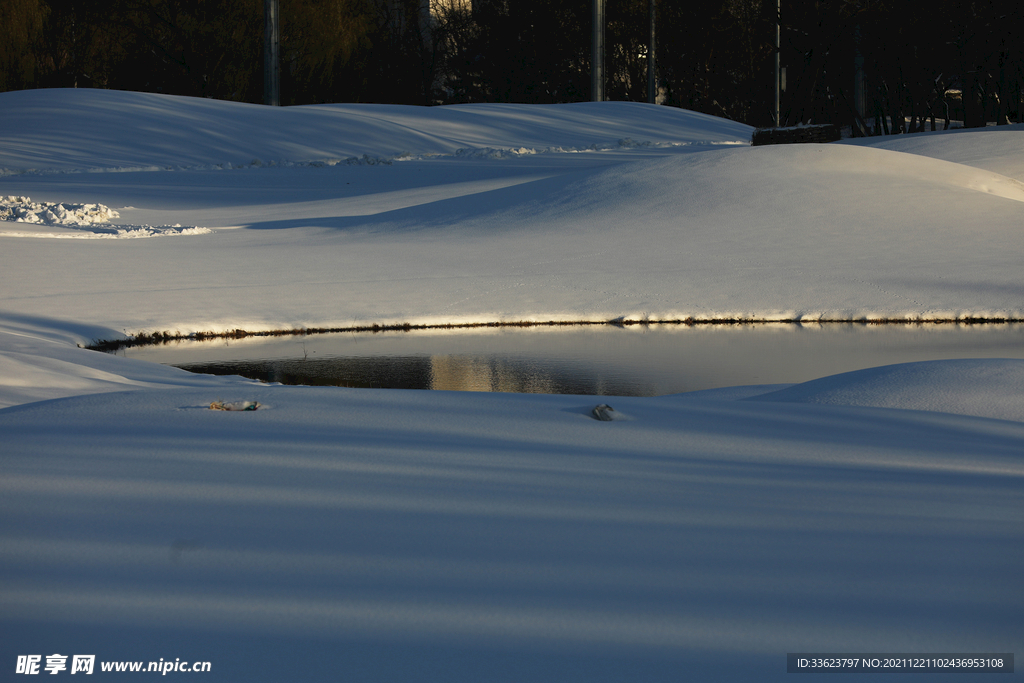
(156,338)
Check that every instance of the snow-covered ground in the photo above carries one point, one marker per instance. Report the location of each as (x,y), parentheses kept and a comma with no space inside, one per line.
(418,536)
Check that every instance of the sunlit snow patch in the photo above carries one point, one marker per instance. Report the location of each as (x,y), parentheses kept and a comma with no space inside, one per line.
(81,221)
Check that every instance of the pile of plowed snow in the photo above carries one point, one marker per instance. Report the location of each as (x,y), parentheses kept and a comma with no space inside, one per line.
(77,221)
(24,210)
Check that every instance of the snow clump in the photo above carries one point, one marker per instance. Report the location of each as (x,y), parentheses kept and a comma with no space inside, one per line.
(24,210)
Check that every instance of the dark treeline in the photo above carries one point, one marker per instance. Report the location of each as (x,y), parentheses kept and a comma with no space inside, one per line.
(874,64)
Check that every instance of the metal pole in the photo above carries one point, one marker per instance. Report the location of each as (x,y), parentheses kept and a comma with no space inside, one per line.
(271,54)
(652,80)
(597,53)
(778,75)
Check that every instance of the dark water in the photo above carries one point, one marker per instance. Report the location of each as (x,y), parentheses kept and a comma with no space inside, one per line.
(593,360)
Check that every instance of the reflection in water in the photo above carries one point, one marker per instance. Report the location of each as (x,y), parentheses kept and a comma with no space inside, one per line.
(461,373)
(592,360)
(446,373)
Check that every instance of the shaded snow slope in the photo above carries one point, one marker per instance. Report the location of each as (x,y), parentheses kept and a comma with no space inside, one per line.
(82,129)
(983,388)
(502,536)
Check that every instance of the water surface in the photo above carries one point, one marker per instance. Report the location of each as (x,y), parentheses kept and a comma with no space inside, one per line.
(596,360)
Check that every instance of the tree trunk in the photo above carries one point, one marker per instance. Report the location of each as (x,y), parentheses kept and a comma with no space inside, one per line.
(973,114)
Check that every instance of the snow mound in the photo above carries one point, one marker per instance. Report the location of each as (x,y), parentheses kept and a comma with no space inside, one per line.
(999,149)
(24,210)
(975,387)
(823,189)
(127,131)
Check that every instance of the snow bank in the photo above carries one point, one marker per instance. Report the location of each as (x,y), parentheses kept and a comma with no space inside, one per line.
(983,388)
(40,360)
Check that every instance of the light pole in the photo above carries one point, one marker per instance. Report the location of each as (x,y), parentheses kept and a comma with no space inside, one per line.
(778,75)
(652,81)
(271,54)
(597,53)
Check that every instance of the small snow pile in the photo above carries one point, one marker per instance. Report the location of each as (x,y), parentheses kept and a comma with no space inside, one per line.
(24,210)
(992,388)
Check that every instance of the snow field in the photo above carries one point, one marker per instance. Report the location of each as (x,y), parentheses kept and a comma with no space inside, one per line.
(445,536)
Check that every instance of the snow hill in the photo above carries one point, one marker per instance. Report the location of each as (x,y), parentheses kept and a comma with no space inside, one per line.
(122,131)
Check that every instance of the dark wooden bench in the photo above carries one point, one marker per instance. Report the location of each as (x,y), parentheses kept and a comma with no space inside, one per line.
(825,132)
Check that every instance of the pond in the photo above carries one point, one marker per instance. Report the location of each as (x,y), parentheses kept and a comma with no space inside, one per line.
(602,360)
